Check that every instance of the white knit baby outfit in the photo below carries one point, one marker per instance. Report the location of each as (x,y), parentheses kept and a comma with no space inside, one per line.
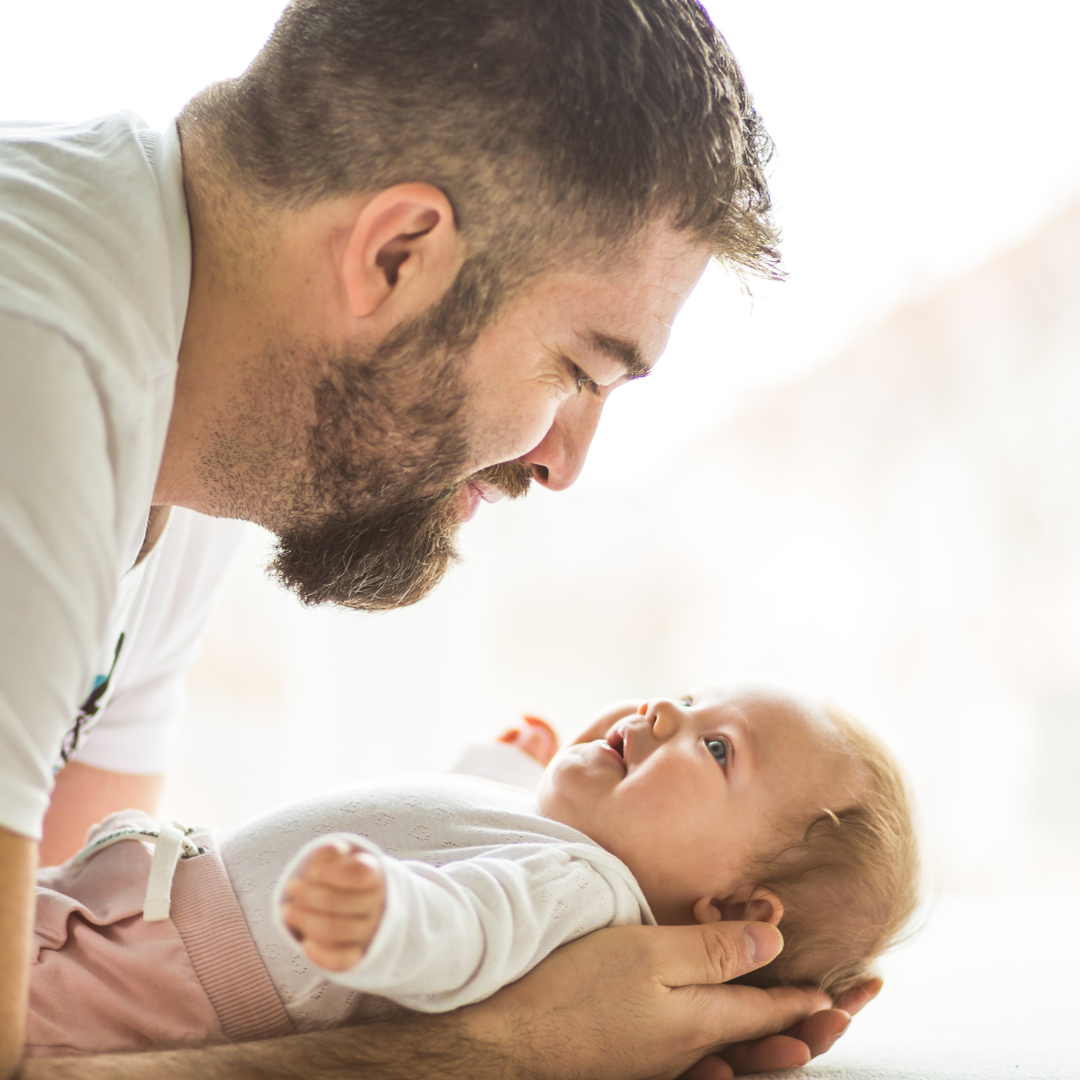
(479,889)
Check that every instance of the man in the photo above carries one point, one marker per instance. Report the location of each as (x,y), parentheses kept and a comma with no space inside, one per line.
(394,269)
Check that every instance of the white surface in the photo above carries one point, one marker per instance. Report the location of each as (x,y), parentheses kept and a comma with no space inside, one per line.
(987,990)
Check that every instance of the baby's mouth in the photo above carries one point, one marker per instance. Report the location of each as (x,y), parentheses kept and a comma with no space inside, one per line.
(617,741)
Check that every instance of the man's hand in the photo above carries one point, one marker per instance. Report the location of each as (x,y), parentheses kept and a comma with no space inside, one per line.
(334,906)
(791,1048)
(643,1003)
(18,857)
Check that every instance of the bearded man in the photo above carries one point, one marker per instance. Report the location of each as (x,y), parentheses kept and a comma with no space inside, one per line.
(393,270)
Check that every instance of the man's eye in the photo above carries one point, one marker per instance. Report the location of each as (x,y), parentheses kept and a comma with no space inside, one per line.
(583,381)
(719,749)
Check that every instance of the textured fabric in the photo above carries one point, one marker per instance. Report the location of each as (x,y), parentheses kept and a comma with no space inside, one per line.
(104,979)
(480,888)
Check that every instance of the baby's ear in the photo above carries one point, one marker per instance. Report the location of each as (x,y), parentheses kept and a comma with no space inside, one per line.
(757,904)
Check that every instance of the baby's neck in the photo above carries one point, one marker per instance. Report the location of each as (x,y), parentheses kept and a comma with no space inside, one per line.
(664,911)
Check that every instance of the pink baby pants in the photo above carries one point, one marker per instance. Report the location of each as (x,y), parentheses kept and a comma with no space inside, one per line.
(103,979)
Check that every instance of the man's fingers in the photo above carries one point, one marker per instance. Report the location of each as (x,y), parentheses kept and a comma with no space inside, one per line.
(770,1054)
(791,1048)
(750,1012)
(821,1029)
(709,1068)
(858,996)
(718,952)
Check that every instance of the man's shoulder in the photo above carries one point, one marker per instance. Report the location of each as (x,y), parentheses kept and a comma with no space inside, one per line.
(93,237)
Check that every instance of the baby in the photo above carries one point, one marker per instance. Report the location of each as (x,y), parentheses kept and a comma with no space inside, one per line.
(742,801)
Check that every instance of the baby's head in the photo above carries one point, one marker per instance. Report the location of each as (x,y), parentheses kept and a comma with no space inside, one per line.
(748,801)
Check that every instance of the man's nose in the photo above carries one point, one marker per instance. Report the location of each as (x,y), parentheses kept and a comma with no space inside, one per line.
(557,460)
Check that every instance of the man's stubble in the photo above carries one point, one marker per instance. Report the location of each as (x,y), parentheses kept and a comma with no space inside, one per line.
(365,498)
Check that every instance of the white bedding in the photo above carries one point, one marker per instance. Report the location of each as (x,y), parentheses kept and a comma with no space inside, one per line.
(972,997)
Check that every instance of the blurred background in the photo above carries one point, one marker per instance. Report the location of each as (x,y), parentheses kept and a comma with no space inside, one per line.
(865,480)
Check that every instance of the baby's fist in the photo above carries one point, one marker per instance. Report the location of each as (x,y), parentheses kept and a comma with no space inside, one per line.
(333,906)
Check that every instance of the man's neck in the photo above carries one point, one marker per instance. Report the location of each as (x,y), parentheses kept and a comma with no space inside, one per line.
(155,528)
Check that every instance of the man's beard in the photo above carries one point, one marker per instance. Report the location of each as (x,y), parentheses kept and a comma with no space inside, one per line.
(375,513)
(384,558)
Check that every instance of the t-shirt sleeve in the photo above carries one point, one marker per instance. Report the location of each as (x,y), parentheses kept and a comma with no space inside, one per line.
(59,555)
(455,934)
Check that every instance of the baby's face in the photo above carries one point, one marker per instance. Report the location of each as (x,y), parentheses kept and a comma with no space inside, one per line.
(690,792)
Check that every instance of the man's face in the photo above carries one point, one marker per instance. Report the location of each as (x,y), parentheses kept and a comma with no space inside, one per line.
(407,442)
(537,379)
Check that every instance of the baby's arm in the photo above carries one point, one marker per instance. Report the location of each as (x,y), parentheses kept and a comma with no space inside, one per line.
(445,936)
(334,905)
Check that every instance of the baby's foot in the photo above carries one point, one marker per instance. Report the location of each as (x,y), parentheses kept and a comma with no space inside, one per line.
(333,906)
(537,739)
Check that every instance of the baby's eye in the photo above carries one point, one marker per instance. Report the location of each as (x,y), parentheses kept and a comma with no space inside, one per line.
(719,749)
(686,699)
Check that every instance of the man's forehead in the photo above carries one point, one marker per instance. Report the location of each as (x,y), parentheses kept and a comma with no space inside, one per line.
(625,312)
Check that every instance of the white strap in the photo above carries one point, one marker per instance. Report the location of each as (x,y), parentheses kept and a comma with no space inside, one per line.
(167,847)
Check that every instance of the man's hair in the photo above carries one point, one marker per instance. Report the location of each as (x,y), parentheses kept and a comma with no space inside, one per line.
(551,125)
(850,884)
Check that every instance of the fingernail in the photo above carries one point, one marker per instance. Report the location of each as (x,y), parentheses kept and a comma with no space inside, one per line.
(840,1032)
(764,941)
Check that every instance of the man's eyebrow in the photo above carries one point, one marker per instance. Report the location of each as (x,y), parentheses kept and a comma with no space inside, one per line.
(626,352)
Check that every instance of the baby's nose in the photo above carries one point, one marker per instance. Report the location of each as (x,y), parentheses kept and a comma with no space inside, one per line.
(663,714)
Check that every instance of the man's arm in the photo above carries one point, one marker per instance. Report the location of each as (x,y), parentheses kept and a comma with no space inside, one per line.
(17,862)
(629,1003)
(83,796)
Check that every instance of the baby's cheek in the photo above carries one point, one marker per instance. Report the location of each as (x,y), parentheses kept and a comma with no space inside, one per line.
(563,792)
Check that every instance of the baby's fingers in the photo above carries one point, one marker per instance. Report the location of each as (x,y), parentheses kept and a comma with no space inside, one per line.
(333,957)
(337,869)
(327,929)
(310,894)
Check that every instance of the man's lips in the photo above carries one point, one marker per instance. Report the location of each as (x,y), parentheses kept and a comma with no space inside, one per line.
(475,492)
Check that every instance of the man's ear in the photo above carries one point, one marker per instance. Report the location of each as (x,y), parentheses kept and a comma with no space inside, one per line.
(750,904)
(402,253)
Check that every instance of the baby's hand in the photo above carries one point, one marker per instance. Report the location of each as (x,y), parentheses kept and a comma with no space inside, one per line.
(334,905)
(537,739)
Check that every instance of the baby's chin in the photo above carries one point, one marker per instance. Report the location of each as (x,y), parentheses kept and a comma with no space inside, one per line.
(563,794)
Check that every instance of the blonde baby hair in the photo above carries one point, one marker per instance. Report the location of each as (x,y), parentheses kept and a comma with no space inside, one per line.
(850,882)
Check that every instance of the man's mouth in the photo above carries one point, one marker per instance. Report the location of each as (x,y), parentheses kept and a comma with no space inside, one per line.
(474,493)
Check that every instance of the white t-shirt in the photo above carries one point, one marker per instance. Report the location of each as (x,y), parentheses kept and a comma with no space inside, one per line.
(95,267)
(480,888)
